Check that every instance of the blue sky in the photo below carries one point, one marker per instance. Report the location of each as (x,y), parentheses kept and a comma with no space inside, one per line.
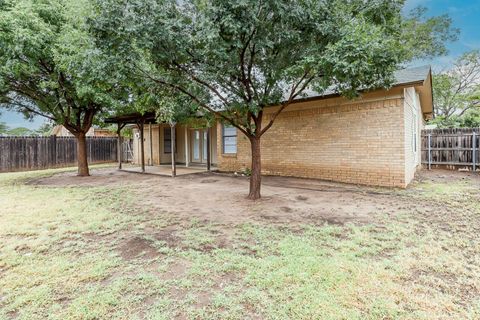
(465,15)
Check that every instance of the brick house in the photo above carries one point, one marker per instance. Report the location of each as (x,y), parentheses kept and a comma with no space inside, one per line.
(374,140)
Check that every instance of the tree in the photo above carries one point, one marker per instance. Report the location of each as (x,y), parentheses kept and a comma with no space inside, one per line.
(234,59)
(45,129)
(3,128)
(425,37)
(50,67)
(20,131)
(457,90)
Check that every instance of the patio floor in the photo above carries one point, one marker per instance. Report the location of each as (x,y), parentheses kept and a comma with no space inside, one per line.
(166,170)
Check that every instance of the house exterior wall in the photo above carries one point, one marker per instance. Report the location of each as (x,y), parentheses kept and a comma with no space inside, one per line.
(361,142)
(413,122)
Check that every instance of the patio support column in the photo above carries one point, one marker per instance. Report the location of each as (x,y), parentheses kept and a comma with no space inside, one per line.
(187,149)
(208,150)
(142,145)
(173,149)
(150,161)
(119,144)
(159,144)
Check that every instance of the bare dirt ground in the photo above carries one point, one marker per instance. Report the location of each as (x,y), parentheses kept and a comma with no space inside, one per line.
(220,198)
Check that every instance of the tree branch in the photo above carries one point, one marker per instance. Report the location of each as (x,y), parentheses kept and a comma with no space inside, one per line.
(293,94)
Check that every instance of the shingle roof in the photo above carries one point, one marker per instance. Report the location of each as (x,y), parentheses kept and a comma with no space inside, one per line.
(411,75)
(402,77)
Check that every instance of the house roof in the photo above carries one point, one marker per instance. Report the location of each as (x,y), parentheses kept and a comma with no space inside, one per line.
(403,77)
(419,77)
(412,75)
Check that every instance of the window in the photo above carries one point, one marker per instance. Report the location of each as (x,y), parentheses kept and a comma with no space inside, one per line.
(229,139)
(167,140)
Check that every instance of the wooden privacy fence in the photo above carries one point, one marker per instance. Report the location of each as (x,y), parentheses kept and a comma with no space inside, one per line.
(451,148)
(30,153)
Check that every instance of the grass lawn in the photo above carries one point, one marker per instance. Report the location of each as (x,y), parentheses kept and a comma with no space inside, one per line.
(101,251)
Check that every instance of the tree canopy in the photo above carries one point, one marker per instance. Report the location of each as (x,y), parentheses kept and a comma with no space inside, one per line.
(456,91)
(426,37)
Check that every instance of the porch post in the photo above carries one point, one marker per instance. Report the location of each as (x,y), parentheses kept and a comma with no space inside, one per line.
(208,150)
(172,142)
(159,144)
(119,145)
(150,161)
(187,149)
(142,145)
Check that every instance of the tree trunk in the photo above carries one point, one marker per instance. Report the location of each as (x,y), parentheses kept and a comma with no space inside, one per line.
(82,155)
(256,177)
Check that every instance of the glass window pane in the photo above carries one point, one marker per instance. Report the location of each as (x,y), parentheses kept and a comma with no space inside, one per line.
(230,145)
(167,140)
(229,131)
(229,139)
(196,145)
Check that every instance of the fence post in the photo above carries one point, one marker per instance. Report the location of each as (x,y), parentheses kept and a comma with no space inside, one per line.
(474,151)
(429,151)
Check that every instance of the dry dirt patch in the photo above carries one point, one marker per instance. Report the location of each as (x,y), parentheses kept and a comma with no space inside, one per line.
(221,199)
(138,247)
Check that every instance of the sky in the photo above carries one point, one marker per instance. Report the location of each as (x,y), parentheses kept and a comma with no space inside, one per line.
(465,15)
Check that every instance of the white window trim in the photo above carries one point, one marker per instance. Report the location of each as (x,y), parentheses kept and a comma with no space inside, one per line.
(229,136)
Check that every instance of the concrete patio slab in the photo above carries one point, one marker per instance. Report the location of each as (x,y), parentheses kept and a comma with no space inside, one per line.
(166,170)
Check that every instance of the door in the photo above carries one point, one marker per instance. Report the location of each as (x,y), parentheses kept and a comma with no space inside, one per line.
(199,149)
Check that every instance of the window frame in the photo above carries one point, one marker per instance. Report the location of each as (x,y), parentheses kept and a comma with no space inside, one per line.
(229,136)
(165,130)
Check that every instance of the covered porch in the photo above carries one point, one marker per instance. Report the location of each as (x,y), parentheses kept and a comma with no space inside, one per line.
(167,149)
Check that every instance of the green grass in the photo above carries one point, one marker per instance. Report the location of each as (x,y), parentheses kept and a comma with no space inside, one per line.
(62,257)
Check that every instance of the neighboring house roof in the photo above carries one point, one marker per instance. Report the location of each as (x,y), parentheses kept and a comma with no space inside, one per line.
(61,131)
(56,130)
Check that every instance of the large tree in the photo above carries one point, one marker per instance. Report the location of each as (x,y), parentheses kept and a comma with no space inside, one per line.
(457,90)
(236,58)
(49,66)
